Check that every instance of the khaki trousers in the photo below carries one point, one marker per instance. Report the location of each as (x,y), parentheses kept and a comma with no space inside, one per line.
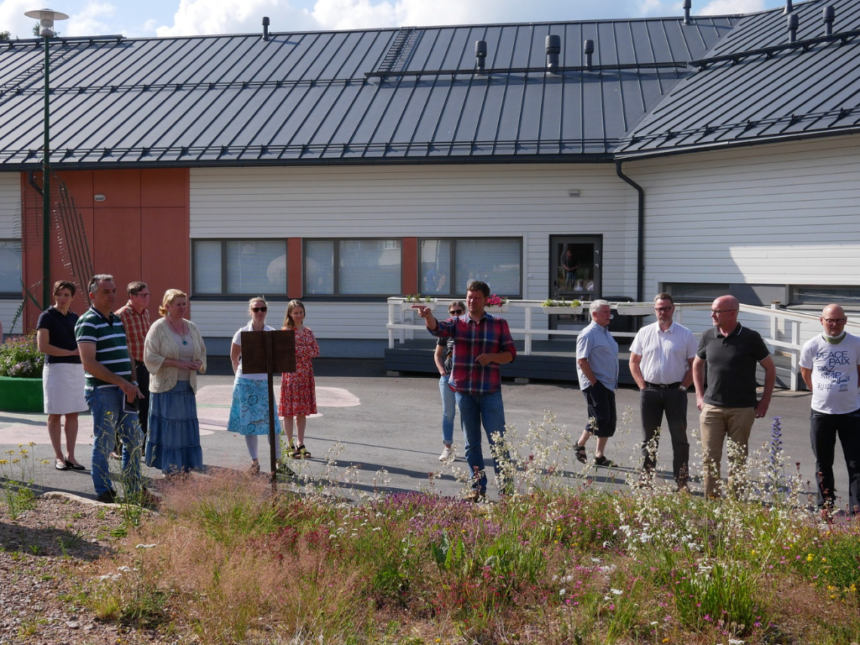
(717,423)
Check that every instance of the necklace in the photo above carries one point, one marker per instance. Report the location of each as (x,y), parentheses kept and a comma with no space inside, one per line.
(179,333)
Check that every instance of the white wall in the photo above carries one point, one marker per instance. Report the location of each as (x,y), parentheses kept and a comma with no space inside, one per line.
(10,228)
(527,201)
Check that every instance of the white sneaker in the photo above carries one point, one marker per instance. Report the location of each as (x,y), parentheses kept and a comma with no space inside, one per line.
(447,454)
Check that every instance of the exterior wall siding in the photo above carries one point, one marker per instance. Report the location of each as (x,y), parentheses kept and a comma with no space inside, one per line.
(10,229)
(530,202)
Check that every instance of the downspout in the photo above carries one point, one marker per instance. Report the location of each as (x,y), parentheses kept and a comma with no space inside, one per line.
(640,238)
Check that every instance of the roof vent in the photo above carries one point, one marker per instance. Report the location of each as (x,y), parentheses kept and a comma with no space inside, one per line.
(829,17)
(588,49)
(553,48)
(793,23)
(688,4)
(266,28)
(788,7)
(481,54)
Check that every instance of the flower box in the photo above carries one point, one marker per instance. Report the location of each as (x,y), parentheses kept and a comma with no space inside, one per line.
(408,305)
(496,309)
(635,310)
(562,310)
(21,394)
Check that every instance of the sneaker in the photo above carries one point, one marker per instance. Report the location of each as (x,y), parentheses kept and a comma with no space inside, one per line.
(447,453)
(255,468)
(476,495)
(107,497)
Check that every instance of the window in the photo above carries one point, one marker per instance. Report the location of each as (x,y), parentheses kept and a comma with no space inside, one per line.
(498,262)
(240,267)
(10,268)
(696,292)
(818,295)
(353,267)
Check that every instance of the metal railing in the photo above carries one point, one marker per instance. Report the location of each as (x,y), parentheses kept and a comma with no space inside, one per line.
(785,325)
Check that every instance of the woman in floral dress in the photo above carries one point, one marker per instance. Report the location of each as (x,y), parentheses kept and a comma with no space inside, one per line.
(298,391)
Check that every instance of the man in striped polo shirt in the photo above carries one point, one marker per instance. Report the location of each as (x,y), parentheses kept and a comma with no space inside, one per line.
(109,368)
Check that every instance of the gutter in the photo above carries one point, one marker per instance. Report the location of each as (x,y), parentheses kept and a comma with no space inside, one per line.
(640,238)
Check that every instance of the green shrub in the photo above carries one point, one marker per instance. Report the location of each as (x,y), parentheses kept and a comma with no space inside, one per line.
(20,357)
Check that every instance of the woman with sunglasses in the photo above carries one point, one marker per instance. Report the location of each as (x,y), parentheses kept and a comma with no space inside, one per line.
(249,413)
(442,356)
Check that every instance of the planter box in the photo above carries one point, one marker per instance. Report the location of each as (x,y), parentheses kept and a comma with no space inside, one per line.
(496,309)
(21,394)
(407,306)
(638,310)
(562,310)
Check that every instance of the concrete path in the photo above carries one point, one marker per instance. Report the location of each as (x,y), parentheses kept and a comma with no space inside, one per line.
(394,422)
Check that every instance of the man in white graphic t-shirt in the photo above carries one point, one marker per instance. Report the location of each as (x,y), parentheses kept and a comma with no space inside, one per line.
(829,366)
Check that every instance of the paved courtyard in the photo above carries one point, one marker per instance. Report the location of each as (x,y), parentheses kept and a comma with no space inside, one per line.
(374,420)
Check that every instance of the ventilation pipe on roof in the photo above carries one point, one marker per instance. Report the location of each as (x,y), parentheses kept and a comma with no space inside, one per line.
(553,48)
(793,23)
(588,49)
(481,54)
(788,7)
(829,17)
(688,4)
(266,28)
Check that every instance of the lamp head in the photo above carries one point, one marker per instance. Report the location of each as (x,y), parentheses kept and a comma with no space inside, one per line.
(46,18)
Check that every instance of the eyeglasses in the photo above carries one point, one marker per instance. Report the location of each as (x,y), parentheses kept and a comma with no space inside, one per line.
(835,321)
(144,295)
(456,312)
(721,311)
(663,308)
(259,309)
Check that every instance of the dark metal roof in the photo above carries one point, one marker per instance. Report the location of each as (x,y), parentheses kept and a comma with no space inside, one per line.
(333,97)
(755,86)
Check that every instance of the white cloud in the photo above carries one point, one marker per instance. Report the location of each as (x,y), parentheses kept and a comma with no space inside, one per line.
(92,20)
(12,18)
(723,7)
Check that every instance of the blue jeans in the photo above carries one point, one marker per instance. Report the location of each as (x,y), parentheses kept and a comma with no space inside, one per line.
(475,409)
(449,409)
(106,405)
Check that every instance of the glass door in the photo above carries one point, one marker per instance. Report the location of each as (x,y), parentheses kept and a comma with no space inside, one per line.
(575,274)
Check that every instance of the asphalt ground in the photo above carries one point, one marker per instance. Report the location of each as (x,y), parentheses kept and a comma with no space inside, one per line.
(370,421)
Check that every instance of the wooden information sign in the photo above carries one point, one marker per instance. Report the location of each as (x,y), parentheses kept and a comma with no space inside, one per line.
(269,353)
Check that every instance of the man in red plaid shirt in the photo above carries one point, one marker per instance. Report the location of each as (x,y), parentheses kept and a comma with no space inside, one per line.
(135,321)
(482,343)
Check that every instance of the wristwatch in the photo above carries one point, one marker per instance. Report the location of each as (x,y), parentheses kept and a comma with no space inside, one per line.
(682,388)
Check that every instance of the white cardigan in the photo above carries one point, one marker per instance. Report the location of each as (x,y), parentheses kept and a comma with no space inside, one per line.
(159,345)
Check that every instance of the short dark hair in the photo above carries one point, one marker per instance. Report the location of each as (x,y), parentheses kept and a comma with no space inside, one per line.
(477,285)
(664,296)
(59,285)
(99,277)
(135,288)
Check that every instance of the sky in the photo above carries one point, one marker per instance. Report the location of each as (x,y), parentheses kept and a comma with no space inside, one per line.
(163,18)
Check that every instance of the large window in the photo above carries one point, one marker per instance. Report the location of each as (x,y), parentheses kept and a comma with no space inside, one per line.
(353,267)
(447,265)
(240,267)
(10,268)
(696,291)
(822,295)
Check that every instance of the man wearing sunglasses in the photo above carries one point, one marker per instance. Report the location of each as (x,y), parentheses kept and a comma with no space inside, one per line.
(482,343)
(731,353)
(829,367)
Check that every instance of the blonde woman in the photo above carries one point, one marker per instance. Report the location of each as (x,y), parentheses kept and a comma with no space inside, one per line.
(174,354)
(249,413)
(298,390)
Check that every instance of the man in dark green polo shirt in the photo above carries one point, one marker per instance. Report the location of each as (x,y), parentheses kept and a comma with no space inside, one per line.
(109,368)
(729,406)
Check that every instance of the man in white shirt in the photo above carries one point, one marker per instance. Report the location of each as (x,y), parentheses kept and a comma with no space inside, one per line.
(829,367)
(661,360)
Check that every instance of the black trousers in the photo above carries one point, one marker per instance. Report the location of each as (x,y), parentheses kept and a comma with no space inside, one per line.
(654,402)
(143,404)
(824,428)
(602,416)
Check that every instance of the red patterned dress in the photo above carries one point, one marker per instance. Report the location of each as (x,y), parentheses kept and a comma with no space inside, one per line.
(298,391)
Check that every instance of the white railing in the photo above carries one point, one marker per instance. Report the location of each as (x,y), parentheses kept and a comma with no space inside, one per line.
(787,343)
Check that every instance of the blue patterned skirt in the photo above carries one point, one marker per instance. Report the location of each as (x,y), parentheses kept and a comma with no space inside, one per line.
(249,413)
(173,438)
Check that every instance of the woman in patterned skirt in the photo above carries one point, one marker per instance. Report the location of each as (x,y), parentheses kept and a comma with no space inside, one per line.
(298,391)
(249,413)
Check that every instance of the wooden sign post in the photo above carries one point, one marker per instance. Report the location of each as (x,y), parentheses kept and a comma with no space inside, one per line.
(269,352)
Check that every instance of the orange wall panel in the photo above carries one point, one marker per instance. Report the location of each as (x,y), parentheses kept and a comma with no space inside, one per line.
(164,252)
(116,246)
(295,286)
(121,188)
(164,187)
(410,265)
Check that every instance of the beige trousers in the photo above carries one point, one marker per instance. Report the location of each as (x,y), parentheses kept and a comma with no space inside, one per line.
(717,423)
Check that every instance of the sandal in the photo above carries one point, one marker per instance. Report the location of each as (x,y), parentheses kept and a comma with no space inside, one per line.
(255,467)
(603,461)
(304,452)
(581,456)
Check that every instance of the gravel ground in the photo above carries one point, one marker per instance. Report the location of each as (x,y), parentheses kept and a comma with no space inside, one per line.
(39,550)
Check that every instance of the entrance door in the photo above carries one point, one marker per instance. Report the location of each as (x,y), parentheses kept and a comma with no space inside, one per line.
(576,270)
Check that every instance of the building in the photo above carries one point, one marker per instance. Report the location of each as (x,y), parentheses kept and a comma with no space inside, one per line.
(701,156)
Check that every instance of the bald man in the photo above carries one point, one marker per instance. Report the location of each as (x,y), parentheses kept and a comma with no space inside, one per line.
(729,406)
(829,367)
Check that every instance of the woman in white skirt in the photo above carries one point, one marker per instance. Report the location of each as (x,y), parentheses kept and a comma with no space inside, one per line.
(63,377)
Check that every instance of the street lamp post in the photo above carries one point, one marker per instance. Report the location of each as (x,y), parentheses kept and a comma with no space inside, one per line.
(46,19)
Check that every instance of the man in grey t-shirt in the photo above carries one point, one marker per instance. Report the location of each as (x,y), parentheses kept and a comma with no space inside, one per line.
(829,367)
